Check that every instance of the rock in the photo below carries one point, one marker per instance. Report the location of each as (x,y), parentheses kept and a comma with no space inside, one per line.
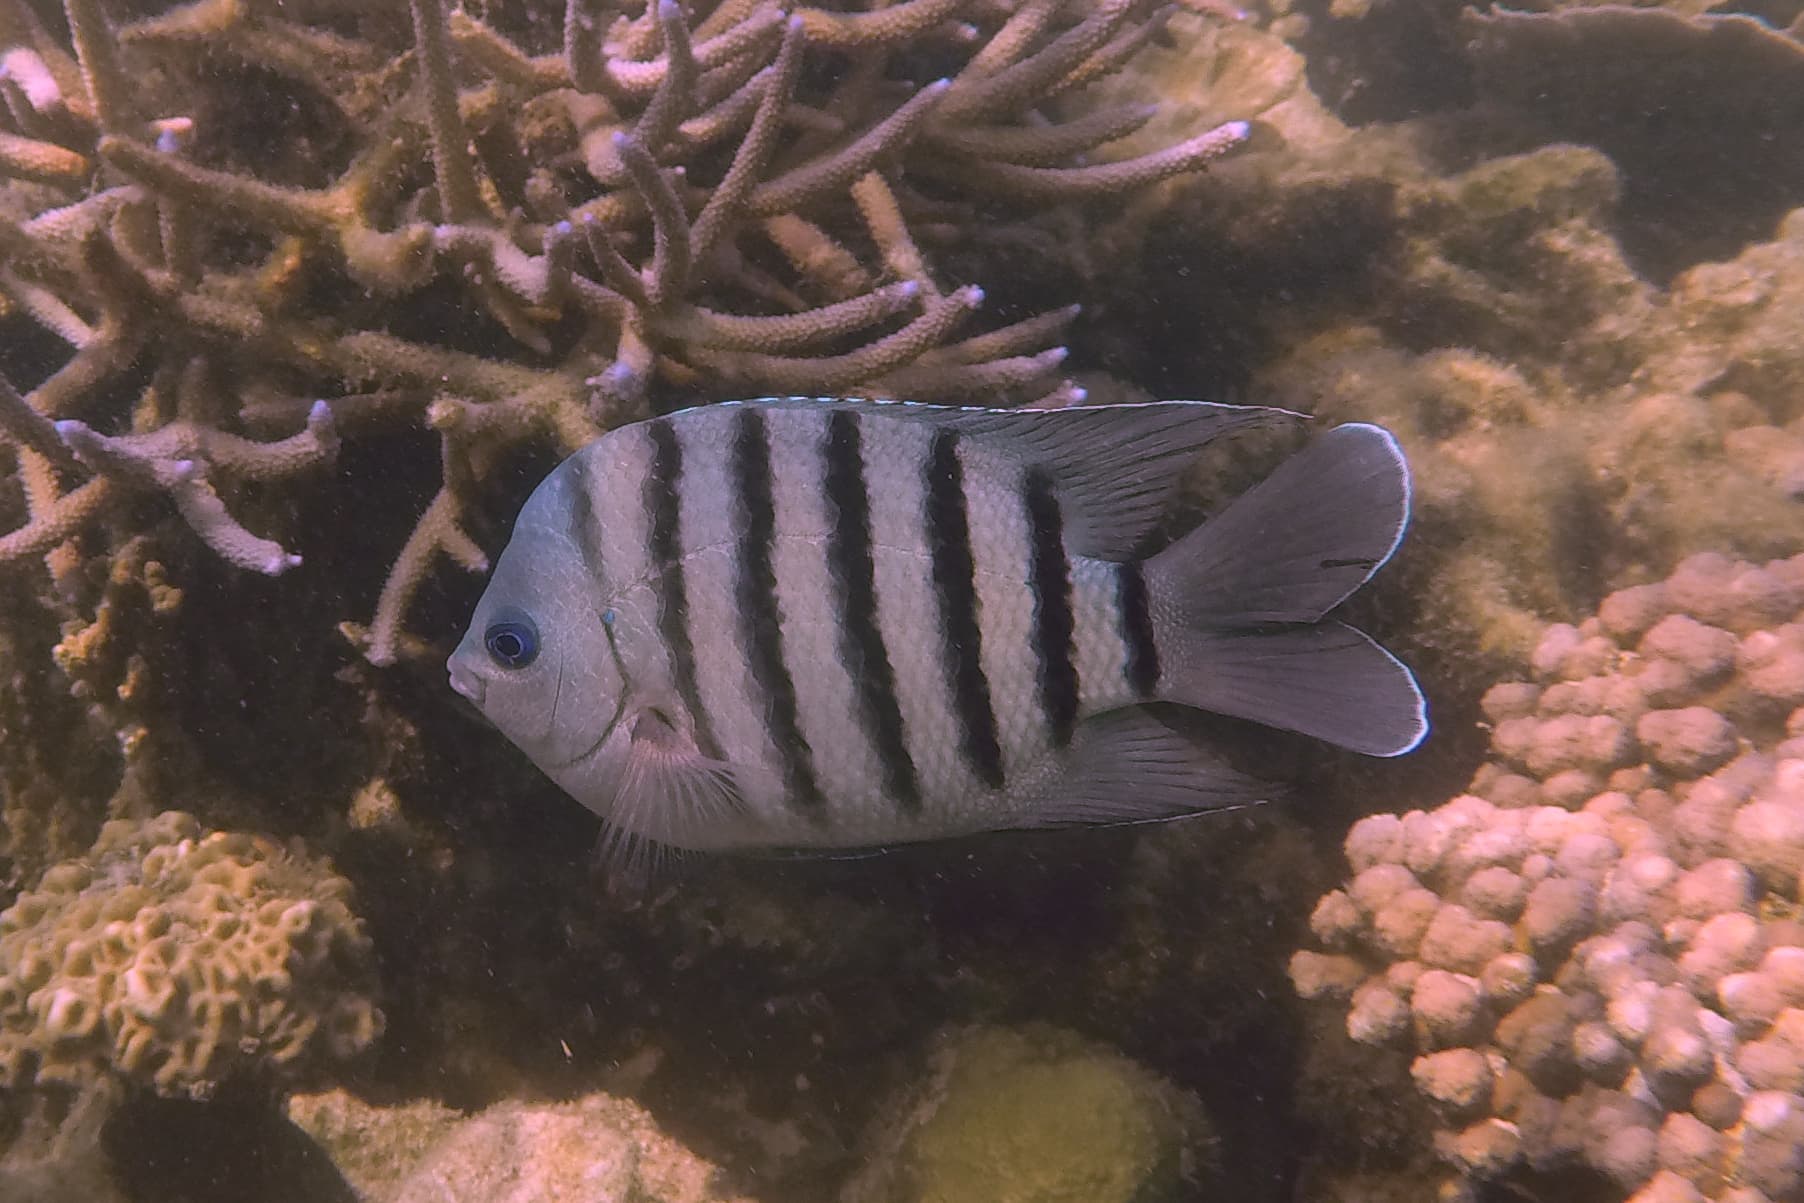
(595,1149)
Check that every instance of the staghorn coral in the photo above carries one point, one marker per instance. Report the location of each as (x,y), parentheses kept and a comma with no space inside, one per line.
(172,958)
(1596,955)
(659,204)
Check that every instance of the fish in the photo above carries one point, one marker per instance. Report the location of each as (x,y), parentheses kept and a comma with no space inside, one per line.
(829,623)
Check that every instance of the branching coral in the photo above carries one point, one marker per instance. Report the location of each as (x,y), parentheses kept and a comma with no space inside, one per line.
(509,243)
(1595,956)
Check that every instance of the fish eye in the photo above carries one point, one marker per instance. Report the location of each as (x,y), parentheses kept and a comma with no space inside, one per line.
(512,640)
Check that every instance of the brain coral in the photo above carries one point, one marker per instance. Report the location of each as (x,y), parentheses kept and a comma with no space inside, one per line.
(1596,956)
(175,957)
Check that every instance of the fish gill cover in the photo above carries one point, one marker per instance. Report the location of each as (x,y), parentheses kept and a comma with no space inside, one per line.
(1582,325)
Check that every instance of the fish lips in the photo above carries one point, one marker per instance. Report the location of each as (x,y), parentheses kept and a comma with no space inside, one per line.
(467,683)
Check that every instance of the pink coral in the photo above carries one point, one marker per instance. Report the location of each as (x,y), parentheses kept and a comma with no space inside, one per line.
(1596,954)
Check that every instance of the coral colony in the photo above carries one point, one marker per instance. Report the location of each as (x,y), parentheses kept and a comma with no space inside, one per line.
(669,201)
(1596,954)
(174,957)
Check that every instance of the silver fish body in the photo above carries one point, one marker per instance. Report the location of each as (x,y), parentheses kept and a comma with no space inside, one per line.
(822,623)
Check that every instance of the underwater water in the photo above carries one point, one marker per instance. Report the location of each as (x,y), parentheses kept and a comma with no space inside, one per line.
(300,300)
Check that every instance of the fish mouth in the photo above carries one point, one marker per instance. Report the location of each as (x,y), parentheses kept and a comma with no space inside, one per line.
(467,684)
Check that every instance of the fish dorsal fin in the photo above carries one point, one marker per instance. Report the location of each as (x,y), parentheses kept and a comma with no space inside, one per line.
(669,792)
(1115,466)
(1129,766)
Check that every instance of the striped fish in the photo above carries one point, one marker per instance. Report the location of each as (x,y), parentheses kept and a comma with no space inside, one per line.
(840,623)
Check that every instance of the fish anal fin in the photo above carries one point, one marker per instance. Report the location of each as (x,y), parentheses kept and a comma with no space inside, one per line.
(1131,766)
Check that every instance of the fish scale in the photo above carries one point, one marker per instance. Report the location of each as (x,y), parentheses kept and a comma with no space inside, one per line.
(1100,653)
(807,594)
(1004,610)
(908,613)
(833,623)
(711,513)
(863,649)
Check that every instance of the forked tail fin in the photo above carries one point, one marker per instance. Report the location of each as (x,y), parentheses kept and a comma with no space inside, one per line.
(1240,604)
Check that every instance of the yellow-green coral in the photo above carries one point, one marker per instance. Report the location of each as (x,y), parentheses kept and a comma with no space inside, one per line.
(1040,1115)
(173,957)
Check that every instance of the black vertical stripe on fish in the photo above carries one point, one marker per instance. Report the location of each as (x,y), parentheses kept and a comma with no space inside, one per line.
(861,646)
(1142,667)
(663,505)
(583,529)
(955,581)
(1055,624)
(759,619)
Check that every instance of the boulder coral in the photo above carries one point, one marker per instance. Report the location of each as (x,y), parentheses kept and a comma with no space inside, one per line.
(1596,955)
(172,958)
(1035,1115)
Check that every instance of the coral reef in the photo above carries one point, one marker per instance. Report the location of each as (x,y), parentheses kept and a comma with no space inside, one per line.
(1036,1115)
(599,218)
(595,1149)
(1487,312)
(338,281)
(1590,73)
(1596,954)
(172,958)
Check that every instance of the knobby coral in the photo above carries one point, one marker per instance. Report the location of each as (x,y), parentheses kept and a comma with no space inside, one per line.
(172,958)
(510,229)
(1596,955)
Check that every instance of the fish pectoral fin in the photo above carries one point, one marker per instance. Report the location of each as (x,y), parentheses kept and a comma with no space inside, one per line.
(1130,766)
(669,791)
